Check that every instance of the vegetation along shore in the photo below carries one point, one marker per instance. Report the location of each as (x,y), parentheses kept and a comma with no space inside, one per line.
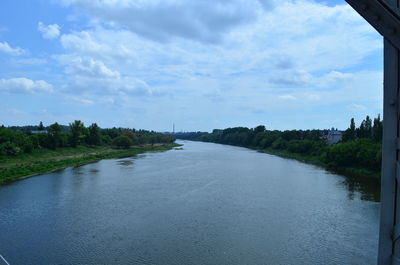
(357,152)
(31,150)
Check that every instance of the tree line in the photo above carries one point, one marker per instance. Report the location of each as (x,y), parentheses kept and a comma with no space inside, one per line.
(359,148)
(25,139)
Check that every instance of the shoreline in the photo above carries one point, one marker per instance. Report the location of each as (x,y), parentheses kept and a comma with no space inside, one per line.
(82,156)
(357,173)
(346,171)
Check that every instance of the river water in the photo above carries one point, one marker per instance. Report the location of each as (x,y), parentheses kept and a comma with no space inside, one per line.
(205,204)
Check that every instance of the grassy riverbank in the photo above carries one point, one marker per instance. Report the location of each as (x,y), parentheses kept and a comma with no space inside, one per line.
(356,152)
(45,160)
(316,160)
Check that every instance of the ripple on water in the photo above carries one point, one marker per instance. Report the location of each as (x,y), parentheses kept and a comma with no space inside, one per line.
(126,162)
(206,204)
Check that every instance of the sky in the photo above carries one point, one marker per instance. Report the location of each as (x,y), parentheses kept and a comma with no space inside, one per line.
(198,64)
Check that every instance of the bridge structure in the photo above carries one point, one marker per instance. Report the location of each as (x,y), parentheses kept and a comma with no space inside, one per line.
(384,16)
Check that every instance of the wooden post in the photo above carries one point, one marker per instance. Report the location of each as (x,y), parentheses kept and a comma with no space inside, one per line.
(389,220)
(384,16)
(389,251)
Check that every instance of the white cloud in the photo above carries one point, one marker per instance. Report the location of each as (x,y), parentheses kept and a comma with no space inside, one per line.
(291,77)
(6,48)
(87,75)
(313,97)
(356,107)
(301,43)
(88,67)
(203,21)
(97,87)
(24,85)
(49,31)
(287,97)
(285,61)
(81,100)
(111,44)
(30,61)
(334,78)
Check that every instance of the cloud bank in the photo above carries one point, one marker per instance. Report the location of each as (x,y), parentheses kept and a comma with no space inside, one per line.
(6,48)
(207,64)
(24,85)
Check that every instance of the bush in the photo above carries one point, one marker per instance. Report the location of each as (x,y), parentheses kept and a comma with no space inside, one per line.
(362,153)
(122,142)
(279,144)
(131,135)
(28,146)
(9,149)
(106,139)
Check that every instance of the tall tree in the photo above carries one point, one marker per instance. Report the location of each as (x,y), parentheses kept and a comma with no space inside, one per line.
(353,128)
(77,129)
(259,128)
(360,131)
(377,129)
(131,135)
(40,127)
(368,127)
(54,136)
(94,135)
(350,133)
(365,129)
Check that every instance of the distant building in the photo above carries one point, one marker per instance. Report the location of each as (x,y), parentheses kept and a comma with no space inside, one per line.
(37,131)
(332,136)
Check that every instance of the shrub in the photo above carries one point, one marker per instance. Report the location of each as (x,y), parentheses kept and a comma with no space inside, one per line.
(279,144)
(9,149)
(122,142)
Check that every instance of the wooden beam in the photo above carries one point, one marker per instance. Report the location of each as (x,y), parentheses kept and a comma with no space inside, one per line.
(382,16)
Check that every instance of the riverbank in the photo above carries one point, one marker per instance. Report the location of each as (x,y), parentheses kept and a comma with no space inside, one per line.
(314,160)
(353,172)
(45,161)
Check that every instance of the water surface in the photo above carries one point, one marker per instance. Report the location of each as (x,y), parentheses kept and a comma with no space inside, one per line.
(205,204)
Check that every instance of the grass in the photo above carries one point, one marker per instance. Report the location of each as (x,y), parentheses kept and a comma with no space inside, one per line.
(44,160)
(315,160)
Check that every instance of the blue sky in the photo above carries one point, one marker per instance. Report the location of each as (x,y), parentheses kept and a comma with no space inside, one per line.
(289,64)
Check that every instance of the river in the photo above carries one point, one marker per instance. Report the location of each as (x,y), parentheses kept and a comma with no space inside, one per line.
(205,204)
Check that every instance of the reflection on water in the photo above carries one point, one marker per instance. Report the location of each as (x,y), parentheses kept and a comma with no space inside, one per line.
(367,189)
(79,170)
(205,204)
(126,162)
(93,170)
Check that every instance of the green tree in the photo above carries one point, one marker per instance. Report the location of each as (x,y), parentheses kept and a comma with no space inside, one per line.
(9,149)
(368,127)
(94,135)
(132,136)
(352,129)
(122,142)
(40,127)
(106,139)
(54,136)
(377,129)
(350,133)
(14,142)
(77,130)
(365,129)
(279,144)
(259,128)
